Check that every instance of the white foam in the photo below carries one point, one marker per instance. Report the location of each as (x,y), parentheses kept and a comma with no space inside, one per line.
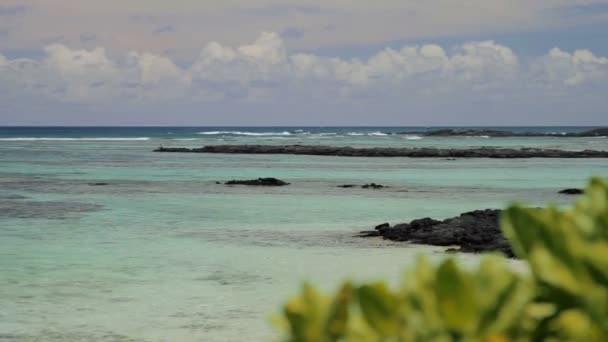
(413,137)
(377,134)
(356,134)
(254,134)
(186,139)
(74,139)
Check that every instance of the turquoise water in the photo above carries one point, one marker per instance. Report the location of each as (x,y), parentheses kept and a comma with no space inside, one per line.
(163,253)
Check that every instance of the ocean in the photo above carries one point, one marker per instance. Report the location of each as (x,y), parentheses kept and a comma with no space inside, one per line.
(163,253)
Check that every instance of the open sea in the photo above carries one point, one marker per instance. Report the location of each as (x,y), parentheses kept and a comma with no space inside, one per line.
(163,253)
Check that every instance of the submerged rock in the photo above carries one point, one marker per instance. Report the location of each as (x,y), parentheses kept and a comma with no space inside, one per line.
(373,186)
(572,191)
(474,232)
(98,184)
(268,181)
(365,186)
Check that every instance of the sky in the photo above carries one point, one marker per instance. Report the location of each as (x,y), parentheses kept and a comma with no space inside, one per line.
(309,62)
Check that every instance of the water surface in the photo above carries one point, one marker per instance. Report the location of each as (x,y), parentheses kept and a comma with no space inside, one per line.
(163,253)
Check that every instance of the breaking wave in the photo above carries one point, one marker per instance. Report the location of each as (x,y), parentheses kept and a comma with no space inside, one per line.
(255,134)
(74,139)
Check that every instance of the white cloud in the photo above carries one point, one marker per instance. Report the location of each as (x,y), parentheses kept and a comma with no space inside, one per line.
(572,69)
(157,77)
(264,60)
(475,62)
(485,60)
(80,74)
(264,71)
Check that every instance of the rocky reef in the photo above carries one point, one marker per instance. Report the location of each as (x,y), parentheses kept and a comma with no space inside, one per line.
(596,132)
(427,152)
(472,232)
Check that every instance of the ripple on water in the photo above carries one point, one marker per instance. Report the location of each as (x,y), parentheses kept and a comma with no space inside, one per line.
(13,197)
(57,336)
(227,277)
(44,209)
(290,238)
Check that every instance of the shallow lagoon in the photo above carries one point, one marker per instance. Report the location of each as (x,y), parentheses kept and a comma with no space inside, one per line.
(162,253)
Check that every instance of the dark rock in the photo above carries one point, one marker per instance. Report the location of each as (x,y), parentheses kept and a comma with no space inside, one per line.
(268,181)
(373,186)
(572,191)
(383,226)
(365,186)
(99,184)
(425,152)
(218,182)
(474,232)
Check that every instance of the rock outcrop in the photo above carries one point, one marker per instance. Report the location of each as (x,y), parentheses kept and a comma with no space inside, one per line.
(473,232)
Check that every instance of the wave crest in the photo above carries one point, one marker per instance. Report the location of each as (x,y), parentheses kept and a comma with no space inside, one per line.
(254,134)
(73,139)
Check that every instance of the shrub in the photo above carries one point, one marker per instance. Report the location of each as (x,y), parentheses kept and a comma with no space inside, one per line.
(564,296)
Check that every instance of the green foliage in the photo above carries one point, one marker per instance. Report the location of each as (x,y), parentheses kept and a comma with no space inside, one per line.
(563,297)
(568,254)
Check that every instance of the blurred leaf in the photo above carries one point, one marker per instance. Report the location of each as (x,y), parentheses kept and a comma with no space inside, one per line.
(336,325)
(456,305)
(380,308)
(305,315)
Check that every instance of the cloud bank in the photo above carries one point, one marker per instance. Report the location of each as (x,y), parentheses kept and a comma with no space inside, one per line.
(421,78)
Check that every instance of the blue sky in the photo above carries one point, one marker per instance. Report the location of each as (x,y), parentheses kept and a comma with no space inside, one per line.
(332,62)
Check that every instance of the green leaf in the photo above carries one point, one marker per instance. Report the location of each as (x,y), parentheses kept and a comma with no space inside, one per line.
(337,320)
(305,315)
(522,229)
(552,272)
(456,302)
(380,308)
(596,261)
